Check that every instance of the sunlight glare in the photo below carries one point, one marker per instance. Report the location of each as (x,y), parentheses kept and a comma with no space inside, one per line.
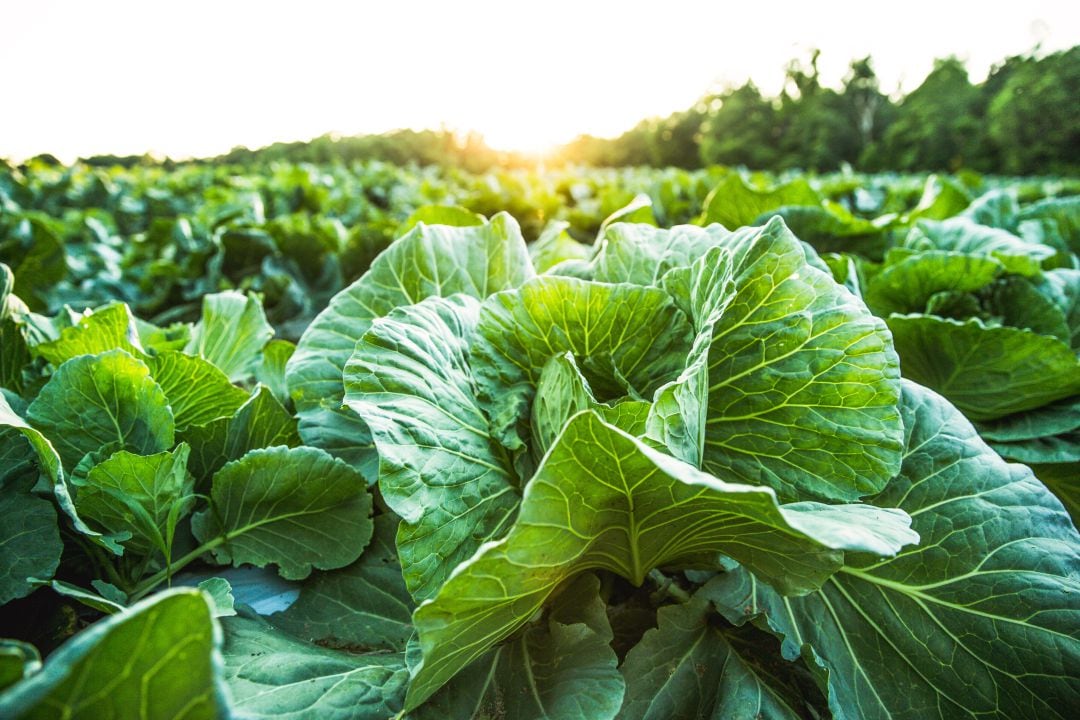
(198,78)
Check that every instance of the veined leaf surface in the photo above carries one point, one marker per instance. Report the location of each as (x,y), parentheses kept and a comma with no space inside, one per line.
(981,619)
(601,324)
(440,468)
(159,659)
(603,499)
(272,675)
(791,382)
(297,508)
(428,261)
(94,400)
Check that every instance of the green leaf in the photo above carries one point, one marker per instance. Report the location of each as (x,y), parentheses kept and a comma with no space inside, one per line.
(138,500)
(555,246)
(638,211)
(982,619)
(40,263)
(271,675)
(260,422)
(830,227)
(791,382)
(8,302)
(439,468)
(219,593)
(630,416)
(599,323)
(1061,478)
(156,340)
(942,198)
(906,286)
(997,209)
(734,204)
(1055,419)
(562,668)
(50,466)
(1049,434)
(297,508)
(17,660)
(428,261)
(106,328)
(158,659)
(110,591)
(1063,286)
(963,236)
(642,254)
(452,215)
(30,543)
(86,597)
(94,400)
(197,391)
(987,372)
(848,270)
(39,329)
(602,499)
(1063,213)
(1019,303)
(690,666)
(271,368)
(1063,448)
(231,333)
(561,393)
(14,355)
(363,605)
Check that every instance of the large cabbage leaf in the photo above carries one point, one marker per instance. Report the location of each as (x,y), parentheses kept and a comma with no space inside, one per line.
(981,619)
(430,260)
(791,382)
(602,499)
(440,468)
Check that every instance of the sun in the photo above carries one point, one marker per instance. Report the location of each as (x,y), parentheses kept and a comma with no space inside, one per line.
(526,138)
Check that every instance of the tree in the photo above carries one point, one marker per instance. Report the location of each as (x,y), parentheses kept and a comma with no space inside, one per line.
(815,133)
(935,128)
(740,129)
(1032,120)
(869,111)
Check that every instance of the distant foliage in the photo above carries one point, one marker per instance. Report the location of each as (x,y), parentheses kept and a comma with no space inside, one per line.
(1020,120)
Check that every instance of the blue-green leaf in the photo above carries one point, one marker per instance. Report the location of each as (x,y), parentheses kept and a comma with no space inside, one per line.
(428,261)
(981,619)
(158,659)
(439,468)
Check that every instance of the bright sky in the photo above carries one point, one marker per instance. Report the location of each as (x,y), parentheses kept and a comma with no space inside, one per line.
(195,78)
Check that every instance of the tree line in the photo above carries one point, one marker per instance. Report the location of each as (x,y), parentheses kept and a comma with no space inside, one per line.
(1021,120)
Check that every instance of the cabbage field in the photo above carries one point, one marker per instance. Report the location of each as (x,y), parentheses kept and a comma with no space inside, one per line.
(328,441)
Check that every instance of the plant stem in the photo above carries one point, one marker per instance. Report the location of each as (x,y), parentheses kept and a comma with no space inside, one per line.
(148,585)
(97,555)
(667,587)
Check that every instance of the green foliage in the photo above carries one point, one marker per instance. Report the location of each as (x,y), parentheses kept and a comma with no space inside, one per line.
(116,668)
(271,675)
(1028,118)
(273,506)
(576,461)
(428,261)
(949,605)
(1015,122)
